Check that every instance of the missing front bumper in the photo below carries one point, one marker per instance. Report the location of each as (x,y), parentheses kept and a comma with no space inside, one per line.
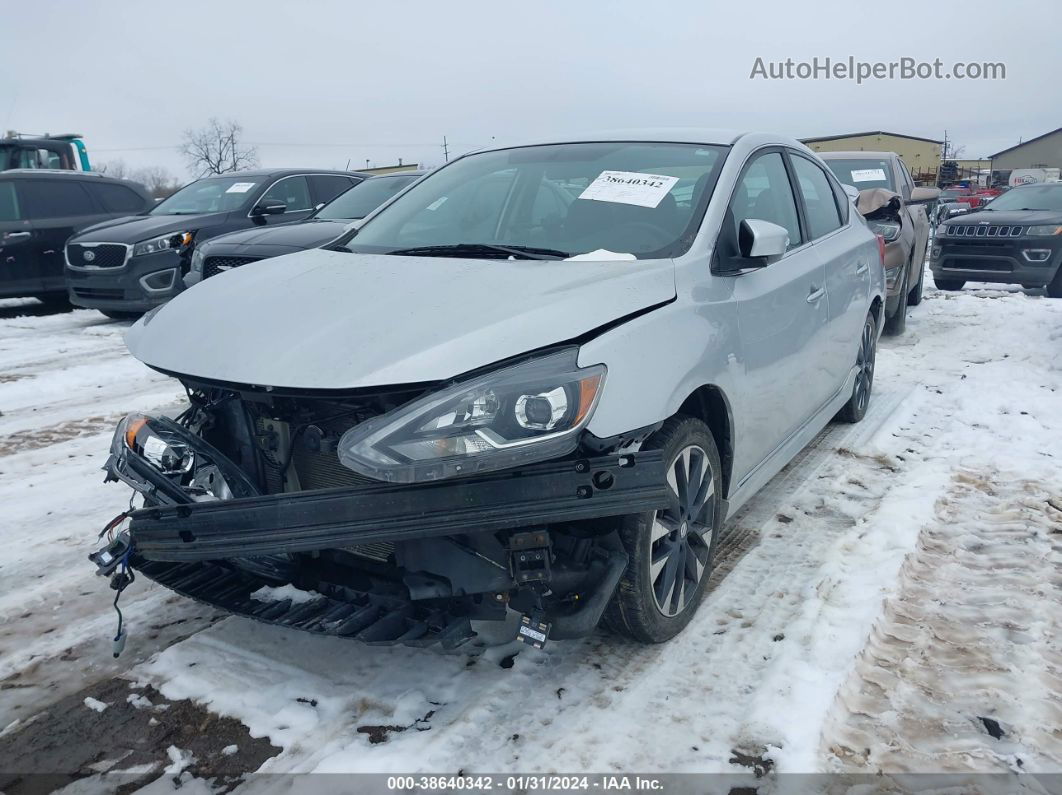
(541,494)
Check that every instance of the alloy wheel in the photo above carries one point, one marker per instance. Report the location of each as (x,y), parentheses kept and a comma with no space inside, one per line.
(865,367)
(682,532)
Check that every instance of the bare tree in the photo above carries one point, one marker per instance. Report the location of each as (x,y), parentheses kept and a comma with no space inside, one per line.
(216,149)
(113,168)
(159,182)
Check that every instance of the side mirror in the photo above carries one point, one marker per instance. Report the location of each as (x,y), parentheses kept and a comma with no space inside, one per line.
(269,207)
(924,195)
(852,191)
(758,239)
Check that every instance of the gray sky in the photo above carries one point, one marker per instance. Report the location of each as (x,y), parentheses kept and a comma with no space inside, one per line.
(317,82)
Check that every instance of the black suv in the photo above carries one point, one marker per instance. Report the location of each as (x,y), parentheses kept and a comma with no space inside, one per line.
(39,210)
(1016,239)
(127,266)
(326,224)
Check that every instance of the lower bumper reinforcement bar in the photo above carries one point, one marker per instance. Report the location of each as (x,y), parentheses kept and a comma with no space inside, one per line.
(551,492)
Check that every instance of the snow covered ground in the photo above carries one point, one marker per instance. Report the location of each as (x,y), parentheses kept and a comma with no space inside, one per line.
(892,602)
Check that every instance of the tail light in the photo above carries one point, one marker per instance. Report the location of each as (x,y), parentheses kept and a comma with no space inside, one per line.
(881,249)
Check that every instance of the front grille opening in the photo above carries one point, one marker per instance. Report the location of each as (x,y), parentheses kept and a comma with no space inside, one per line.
(212,266)
(106,255)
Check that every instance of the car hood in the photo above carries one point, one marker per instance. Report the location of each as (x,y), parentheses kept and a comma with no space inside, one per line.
(134,228)
(1013,217)
(307,234)
(329,320)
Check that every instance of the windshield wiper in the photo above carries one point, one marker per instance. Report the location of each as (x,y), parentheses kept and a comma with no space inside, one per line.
(479,249)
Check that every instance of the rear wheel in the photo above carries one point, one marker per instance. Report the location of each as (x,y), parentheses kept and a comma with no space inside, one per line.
(671,550)
(856,407)
(949,284)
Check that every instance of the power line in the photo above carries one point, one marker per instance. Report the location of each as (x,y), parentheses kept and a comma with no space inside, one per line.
(294,144)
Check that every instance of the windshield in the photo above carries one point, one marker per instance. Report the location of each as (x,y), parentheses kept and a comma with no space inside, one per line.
(633,198)
(364,197)
(211,195)
(1030,197)
(863,174)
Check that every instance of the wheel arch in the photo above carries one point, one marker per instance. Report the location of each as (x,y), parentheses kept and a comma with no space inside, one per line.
(709,404)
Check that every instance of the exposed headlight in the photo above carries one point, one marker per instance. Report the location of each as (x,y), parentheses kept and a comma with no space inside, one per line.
(887,229)
(168,454)
(197,260)
(529,412)
(1044,231)
(173,451)
(176,240)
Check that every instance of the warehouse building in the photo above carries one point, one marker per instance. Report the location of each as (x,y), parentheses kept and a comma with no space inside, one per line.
(920,155)
(1044,151)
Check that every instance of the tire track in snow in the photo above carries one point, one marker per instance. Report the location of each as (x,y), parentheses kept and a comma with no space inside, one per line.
(958,642)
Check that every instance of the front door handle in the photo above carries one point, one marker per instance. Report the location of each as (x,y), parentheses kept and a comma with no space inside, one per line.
(815,294)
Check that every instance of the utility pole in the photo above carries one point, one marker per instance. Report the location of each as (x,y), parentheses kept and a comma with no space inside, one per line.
(446,151)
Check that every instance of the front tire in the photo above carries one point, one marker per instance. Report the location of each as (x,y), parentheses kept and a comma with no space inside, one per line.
(856,407)
(914,298)
(671,550)
(896,323)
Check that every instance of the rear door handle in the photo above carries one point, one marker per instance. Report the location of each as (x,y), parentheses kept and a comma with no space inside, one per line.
(16,235)
(816,294)
(863,268)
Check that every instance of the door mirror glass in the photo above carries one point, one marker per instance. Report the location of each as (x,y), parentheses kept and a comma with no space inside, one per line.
(269,207)
(762,240)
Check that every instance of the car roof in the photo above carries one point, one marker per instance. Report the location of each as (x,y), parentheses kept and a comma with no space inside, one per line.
(286,172)
(855,155)
(62,173)
(680,135)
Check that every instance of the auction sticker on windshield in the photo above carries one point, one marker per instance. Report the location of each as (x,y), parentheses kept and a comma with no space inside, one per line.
(240,187)
(629,187)
(868,175)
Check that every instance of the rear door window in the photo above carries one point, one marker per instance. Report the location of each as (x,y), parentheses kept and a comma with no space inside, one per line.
(116,198)
(54,198)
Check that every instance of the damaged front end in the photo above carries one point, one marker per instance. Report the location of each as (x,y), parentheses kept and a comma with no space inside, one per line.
(883,211)
(395,515)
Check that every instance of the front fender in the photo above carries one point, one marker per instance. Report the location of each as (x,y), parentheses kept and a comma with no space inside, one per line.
(658,360)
